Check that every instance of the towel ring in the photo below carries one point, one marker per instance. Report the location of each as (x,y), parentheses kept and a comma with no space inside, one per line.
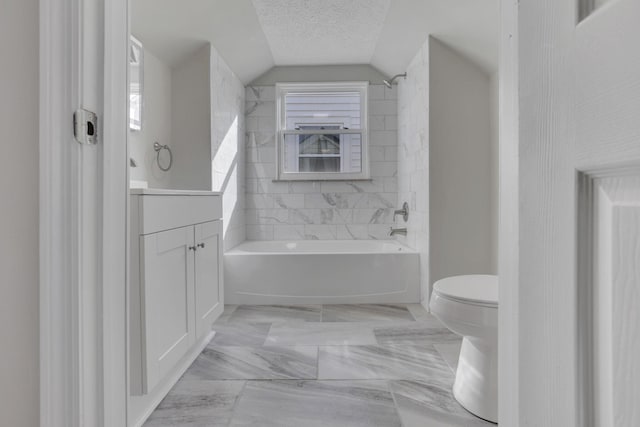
(158,148)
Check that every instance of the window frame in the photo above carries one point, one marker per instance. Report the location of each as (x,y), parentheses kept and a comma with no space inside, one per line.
(282,90)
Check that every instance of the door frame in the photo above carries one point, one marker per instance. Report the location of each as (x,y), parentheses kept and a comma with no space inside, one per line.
(72,392)
(83,211)
(509,216)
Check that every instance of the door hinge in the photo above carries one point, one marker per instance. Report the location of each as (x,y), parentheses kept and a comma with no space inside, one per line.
(85,127)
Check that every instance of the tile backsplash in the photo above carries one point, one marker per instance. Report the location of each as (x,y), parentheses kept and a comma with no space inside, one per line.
(320,209)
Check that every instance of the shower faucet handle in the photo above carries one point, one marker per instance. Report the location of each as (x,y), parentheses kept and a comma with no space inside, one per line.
(404,212)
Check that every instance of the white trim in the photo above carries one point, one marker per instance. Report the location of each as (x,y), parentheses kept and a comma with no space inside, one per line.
(509,220)
(282,89)
(81,305)
(59,237)
(115,213)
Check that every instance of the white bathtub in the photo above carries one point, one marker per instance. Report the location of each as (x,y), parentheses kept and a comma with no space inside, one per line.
(321,272)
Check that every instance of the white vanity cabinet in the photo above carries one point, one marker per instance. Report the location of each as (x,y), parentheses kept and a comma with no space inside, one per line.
(176,288)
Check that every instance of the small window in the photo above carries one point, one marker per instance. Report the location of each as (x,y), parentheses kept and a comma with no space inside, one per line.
(136,72)
(322,131)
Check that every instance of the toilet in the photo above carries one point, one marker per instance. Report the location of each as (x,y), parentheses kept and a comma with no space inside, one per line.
(468,306)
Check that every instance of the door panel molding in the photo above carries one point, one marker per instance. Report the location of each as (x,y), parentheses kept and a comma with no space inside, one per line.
(608,275)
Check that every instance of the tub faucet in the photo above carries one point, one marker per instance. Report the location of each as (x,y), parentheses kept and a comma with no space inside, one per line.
(395,231)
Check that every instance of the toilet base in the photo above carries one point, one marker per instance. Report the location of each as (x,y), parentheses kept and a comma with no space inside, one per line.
(476,383)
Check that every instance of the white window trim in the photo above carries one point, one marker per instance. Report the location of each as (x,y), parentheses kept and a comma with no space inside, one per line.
(284,88)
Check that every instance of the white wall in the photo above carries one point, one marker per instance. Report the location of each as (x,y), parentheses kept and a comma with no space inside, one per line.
(319,73)
(460,163)
(227,150)
(191,122)
(156,123)
(447,159)
(495,168)
(413,158)
(19,331)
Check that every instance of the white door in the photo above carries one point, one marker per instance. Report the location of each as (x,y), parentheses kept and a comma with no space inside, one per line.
(167,295)
(570,214)
(208,275)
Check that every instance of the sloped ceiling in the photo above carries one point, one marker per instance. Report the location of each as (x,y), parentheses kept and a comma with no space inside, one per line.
(255,35)
(173,29)
(471,27)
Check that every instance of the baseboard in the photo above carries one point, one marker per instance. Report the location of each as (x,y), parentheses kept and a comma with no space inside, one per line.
(145,405)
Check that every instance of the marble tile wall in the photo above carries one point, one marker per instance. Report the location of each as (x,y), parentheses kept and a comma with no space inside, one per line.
(227,147)
(413,158)
(320,210)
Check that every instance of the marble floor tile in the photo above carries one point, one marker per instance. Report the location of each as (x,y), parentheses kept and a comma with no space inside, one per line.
(421,314)
(276,313)
(316,404)
(430,404)
(333,365)
(255,363)
(417,334)
(228,310)
(240,334)
(320,333)
(450,353)
(197,404)
(382,362)
(365,313)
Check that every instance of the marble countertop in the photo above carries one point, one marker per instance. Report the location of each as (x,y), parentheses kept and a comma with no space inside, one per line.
(169,192)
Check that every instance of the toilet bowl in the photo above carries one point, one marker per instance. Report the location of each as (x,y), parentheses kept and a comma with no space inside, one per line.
(468,306)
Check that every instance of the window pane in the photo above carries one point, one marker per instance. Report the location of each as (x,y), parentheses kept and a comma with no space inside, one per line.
(135,85)
(319,164)
(319,144)
(331,110)
(332,153)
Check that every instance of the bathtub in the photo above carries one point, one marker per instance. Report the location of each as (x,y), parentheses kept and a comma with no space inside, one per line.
(321,272)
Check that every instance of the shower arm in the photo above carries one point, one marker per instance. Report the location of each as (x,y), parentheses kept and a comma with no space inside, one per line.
(389,83)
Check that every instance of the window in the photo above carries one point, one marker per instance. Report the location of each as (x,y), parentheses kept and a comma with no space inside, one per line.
(322,131)
(136,67)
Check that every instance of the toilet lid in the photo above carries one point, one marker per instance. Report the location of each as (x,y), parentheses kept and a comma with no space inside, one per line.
(472,289)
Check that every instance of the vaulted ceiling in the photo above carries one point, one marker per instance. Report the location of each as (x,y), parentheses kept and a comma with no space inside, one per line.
(255,35)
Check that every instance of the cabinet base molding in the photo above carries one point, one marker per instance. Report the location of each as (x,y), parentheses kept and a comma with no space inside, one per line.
(141,407)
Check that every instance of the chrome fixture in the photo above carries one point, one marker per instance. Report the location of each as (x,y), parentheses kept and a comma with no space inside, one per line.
(404,212)
(389,82)
(395,231)
(158,147)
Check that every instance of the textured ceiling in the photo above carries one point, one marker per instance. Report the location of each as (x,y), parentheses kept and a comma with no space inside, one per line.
(312,32)
(254,35)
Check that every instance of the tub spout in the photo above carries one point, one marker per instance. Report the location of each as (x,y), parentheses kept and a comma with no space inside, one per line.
(395,231)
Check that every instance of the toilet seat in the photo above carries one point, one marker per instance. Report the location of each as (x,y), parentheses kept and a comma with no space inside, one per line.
(474,289)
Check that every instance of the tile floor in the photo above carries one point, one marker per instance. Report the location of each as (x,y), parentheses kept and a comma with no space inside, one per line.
(332,365)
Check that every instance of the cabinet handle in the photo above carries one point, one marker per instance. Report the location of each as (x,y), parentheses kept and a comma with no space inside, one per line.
(192,248)
(201,245)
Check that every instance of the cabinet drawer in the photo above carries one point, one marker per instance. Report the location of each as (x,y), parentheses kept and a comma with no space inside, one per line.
(165,212)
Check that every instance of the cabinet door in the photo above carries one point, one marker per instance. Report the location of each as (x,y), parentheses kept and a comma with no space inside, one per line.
(208,287)
(168,328)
